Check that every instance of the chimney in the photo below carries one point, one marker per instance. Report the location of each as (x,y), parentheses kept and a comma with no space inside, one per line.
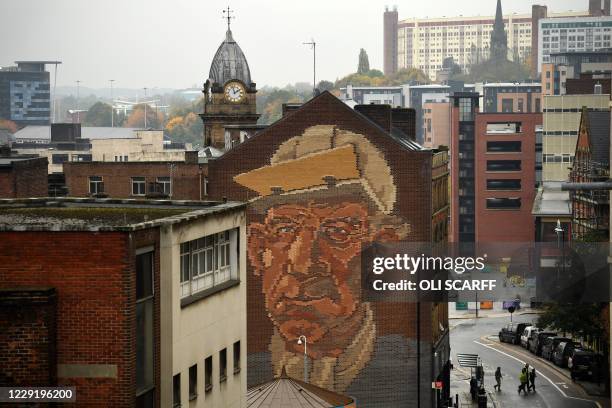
(379,114)
(404,119)
(290,107)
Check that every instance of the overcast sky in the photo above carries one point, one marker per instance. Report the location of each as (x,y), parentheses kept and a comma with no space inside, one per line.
(170,44)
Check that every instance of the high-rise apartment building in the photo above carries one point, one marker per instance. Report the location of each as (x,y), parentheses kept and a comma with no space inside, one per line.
(390,41)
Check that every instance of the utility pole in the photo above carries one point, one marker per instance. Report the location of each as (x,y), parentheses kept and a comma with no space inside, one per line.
(112,104)
(313,46)
(145,108)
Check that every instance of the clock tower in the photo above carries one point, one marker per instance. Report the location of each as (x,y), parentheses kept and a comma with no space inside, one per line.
(229,94)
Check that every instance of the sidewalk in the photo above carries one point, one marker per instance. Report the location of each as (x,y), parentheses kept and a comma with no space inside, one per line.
(471,314)
(460,385)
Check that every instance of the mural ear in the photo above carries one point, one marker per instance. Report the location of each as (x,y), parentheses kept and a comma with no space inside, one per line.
(256,246)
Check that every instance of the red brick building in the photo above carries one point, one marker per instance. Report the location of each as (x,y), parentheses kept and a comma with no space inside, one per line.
(22,176)
(176,180)
(81,297)
(322,182)
(505,160)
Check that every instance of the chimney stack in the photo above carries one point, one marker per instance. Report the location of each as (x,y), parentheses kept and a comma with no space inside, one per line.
(379,114)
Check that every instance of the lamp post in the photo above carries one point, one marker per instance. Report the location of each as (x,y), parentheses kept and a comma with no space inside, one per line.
(299,342)
(561,243)
(112,104)
(77,101)
(313,46)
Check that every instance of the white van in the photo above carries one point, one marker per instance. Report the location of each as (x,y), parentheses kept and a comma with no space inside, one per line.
(526,334)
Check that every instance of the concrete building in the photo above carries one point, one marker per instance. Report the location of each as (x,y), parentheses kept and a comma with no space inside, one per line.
(25,93)
(364,95)
(67,142)
(425,43)
(390,46)
(321,167)
(512,97)
(436,124)
(178,180)
(561,123)
(134,304)
(22,175)
(505,176)
(573,34)
(598,8)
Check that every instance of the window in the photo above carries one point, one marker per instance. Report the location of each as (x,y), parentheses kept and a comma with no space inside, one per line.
(176,390)
(507,105)
(466,113)
(503,165)
(165,185)
(144,323)
(520,105)
(208,374)
(223,365)
(59,158)
(504,147)
(209,261)
(503,203)
(96,186)
(237,357)
(193,382)
(503,184)
(138,186)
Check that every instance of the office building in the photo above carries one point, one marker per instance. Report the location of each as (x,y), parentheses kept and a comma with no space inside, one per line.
(436,124)
(575,34)
(134,304)
(512,97)
(561,123)
(25,96)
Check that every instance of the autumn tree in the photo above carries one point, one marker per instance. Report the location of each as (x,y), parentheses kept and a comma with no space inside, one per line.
(364,63)
(8,125)
(137,117)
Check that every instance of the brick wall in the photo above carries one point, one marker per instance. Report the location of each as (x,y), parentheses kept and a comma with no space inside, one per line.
(93,274)
(188,178)
(387,375)
(25,178)
(27,337)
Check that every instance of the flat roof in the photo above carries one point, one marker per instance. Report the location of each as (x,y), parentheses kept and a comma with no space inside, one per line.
(38,62)
(8,161)
(87,132)
(95,215)
(551,201)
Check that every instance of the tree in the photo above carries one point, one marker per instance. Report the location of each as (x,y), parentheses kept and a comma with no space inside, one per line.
(325,86)
(137,117)
(583,319)
(99,114)
(364,63)
(8,125)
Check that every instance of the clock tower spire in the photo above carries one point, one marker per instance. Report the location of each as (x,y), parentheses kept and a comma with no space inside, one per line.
(229,93)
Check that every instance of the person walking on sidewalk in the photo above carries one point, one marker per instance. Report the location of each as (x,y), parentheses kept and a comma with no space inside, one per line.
(523,378)
(532,377)
(498,378)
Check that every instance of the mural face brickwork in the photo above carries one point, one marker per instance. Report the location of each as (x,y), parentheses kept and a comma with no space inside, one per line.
(323,183)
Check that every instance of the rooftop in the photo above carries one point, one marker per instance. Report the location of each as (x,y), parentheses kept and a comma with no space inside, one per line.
(90,214)
(87,132)
(551,201)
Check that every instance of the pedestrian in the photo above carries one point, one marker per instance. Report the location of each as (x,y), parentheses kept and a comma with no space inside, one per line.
(532,377)
(498,378)
(523,380)
(473,388)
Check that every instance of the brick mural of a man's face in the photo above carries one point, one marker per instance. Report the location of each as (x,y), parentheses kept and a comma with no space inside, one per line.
(326,195)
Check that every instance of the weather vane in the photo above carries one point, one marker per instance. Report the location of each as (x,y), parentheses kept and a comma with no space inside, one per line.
(227,14)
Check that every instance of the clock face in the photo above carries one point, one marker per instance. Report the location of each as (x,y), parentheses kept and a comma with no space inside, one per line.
(234,92)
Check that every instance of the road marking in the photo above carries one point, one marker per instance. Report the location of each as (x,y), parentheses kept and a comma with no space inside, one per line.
(540,373)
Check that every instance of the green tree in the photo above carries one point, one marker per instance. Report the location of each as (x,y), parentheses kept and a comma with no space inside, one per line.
(325,86)
(99,114)
(576,319)
(364,62)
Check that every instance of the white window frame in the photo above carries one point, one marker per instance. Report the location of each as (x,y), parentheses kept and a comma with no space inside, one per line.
(141,181)
(98,183)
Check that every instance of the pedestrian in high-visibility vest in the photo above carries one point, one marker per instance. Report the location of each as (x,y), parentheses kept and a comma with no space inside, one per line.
(523,378)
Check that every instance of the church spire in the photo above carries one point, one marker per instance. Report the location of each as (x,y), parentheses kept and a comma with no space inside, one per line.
(499,40)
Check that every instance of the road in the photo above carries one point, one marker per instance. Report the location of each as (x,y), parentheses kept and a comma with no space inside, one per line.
(553,389)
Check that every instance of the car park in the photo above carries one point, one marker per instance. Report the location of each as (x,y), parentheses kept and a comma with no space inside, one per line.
(527,334)
(550,344)
(537,341)
(563,351)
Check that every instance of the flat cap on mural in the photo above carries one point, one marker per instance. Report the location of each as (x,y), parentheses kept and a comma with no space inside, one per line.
(324,157)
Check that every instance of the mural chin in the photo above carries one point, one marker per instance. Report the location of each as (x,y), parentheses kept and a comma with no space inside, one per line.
(291,330)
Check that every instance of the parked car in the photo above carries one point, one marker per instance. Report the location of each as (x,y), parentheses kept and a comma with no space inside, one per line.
(563,351)
(537,341)
(527,334)
(550,344)
(512,332)
(583,364)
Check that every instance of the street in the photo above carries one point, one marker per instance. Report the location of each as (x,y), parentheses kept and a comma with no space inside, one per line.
(553,388)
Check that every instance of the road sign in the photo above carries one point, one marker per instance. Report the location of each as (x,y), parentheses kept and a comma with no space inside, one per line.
(437,385)
(467,360)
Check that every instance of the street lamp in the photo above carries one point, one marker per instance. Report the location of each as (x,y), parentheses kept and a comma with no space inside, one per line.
(299,342)
(313,46)
(561,244)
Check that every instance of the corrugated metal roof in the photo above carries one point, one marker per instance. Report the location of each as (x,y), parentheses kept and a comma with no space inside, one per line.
(44,132)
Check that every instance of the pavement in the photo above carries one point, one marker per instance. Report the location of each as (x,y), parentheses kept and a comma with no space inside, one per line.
(554,388)
(460,385)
